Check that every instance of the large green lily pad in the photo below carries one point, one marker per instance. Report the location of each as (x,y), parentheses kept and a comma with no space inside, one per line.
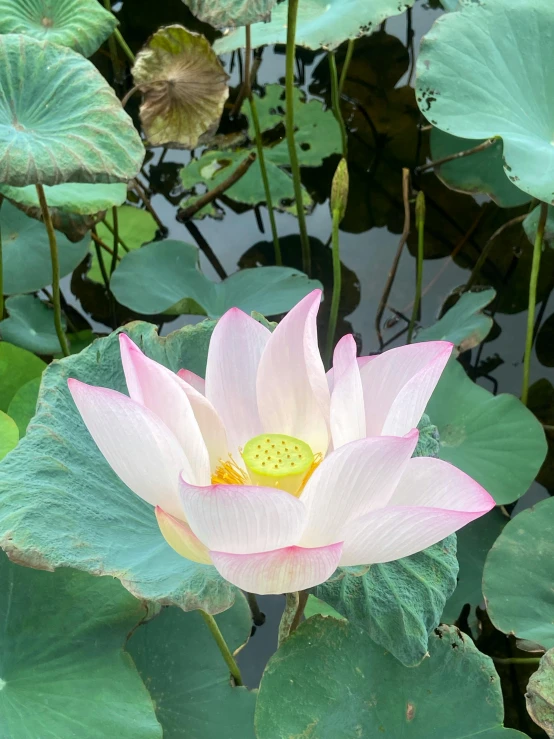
(30,325)
(322,24)
(62,506)
(398,604)
(540,694)
(23,404)
(477,78)
(26,252)
(17,367)
(9,434)
(519,571)
(188,680)
(164,274)
(183,85)
(60,121)
(494,439)
(226,13)
(83,25)
(63,671)
(477,173)
(350,687)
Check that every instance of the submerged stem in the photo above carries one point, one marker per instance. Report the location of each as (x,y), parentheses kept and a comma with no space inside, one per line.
(292,601)
(335,102)
(223,648)
(420,225)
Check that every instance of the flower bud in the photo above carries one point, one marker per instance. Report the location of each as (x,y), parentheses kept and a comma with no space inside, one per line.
(339,189)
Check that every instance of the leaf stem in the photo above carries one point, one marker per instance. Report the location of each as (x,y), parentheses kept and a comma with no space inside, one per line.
(537,251)
(257,616)
(223,648)
(115,240)
(516,660)
(295,168)
(302,600)
(292,601)
(98,244)
(112,231)
(420,225)
(55,270)
(337,286)
(476,271)
(121,41)
(346,64)
(459,155)
(112,45)
(1,268)
(335,102)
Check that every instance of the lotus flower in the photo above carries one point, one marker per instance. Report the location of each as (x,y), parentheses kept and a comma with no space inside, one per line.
(274,472)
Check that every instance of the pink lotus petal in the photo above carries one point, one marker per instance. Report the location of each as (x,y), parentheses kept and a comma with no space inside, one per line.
(161,391)
(362,361)
(293,395)
(347,400)
(281,571)
(179,536)
(398,384)
(242,519)
(236,346)
(353,480)
(197,382)
(137,445)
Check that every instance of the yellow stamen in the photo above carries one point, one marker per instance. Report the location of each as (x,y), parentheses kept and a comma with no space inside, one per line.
(229,473)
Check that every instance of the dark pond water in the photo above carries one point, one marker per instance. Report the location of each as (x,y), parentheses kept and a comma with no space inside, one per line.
(384,136)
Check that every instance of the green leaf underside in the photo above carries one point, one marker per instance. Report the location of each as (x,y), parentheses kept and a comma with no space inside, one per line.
(161,275)
(9,434)
(187,678)
(61,504)
(351,687)
(30,325)
(63,670)
(226,13)
(17,366)
(476,78)
(398,603)
(60,121)
(26,252)
(494,439)
(477,173)
(82,25)
(517,581)
(321,24)
(23,404)
(540,694)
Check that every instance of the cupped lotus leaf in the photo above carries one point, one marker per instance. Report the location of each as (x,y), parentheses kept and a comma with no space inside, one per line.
(531,224)
(226,13)
(517,581)
(74,208)
(477,78)
(9,434)
(23,404)
(17,366)
(321,24)
(60,121)
(351,687)
(83,25)
(187,678)
(482,172)
(30,325)
(26,252)
(63,671)
(494,439)
(183,85)
(465,325)
(398,604)
(61,505)
(165,273)
(540,694)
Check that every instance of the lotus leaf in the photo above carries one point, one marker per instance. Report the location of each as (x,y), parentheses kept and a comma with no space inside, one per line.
(61,505)
(225,13)
(83,25)
(17,366)
(315,607)
(183,85)
(477,78)
(23,404)
(30,325)
(540,694)
(60,121)
(9,434)
(322,24)
(449,4)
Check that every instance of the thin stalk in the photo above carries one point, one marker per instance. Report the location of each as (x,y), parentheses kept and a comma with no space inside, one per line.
(335,102)
(101,264)
(223,648)
(55,270)
(476,271)
(115,240)
(537,251)
(143,195)
(292,601)
(1,268)
(346,64)
(97,240)
(112,44)
(257,616)
(337,286)
(112,231)
(516,660)
(420,225)
(121,41)
(302,600)
(245,87)
(459,155)
(295,167)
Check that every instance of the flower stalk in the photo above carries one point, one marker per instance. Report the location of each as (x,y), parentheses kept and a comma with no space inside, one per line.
(292,601)
(420,226)
(223,647)
(339,201)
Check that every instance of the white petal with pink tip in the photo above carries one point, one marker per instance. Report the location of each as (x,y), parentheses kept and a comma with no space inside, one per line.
(347,399)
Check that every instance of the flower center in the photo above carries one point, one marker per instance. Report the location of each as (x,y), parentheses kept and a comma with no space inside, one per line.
(277,460)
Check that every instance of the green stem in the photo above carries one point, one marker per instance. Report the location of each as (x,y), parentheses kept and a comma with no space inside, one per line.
(1,268)
(115,240)
(335,102)
(112,231)
(223,648)
(537,251)
(337,285)
(303,596)
(121,41)
(257,616)
(295,167)
(55,270)
(112,44)
(420,225)
(100,258)
(292,601)
(516,660)
(346,64)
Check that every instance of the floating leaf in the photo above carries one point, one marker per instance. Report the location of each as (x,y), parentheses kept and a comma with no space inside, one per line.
(26,252)
(494,439)
(531,223)
(30,325)
(477,78)
(161,275)
(482,172)
(350,687)
(317,607)
(540,694)
(17,366)
(321,24)
(517,581)
(63,669)
(9,434)
(23,404)
(61,505)
(464,324)
(83,25)
(60,121)
(398,603)
(188,680)
(226,13)
(183,85)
